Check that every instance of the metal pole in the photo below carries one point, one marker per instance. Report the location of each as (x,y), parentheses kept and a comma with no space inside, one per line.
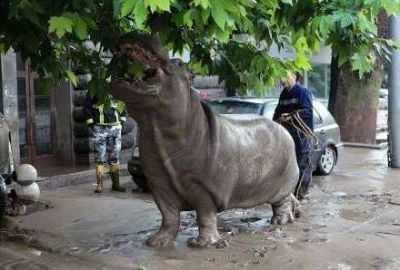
(305,76)
(394,97)
(326,81)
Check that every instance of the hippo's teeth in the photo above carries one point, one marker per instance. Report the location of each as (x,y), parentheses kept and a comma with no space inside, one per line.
(160,73)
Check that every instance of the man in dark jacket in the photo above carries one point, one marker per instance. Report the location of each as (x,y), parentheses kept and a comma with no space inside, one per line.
(296,99)
(105,118)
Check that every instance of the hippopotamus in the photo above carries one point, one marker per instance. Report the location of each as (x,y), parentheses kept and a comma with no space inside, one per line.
(195,159)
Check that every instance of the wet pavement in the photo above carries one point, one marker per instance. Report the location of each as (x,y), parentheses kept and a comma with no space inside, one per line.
(352,221)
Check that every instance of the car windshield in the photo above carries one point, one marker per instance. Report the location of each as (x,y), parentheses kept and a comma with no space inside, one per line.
(235,107)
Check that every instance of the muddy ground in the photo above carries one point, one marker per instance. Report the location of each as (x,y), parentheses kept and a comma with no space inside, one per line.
(352,221)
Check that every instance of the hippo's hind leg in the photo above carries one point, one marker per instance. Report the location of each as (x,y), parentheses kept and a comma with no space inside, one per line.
(206,211)
(170,212)
(283,211)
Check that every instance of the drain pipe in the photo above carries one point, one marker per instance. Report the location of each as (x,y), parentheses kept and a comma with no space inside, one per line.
(394,98)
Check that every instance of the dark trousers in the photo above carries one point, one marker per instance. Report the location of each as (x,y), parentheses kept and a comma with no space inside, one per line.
(304,149)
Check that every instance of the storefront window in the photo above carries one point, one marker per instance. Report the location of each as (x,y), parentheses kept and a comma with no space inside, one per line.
(318,80)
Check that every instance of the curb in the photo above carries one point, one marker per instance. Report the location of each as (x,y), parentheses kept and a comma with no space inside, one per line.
(78,178)
(379,146)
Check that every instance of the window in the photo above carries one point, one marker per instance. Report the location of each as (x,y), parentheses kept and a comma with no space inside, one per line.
(317,120)
(232,107)
(318,80)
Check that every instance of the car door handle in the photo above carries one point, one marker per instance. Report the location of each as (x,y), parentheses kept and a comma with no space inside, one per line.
(322,132)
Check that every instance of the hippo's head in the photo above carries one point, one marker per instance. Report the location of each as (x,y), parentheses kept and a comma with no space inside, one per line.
(165,84)
(148,52)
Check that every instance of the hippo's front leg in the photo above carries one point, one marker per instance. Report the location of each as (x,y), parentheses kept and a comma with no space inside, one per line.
(206,212)
(208,233)
(170,213)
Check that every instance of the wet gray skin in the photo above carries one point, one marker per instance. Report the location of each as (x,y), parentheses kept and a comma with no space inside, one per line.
(197,160)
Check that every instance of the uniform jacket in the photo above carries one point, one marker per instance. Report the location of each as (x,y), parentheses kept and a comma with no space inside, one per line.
(100,114)
(298,98)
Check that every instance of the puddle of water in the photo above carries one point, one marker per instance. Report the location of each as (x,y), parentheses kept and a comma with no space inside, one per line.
(339,266)
(354,214)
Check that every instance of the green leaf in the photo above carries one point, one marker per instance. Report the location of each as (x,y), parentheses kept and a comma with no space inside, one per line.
(140,12)
(80,28)
(90,23)
(203,3)
(60,25)
(187,18)
(362,63)
(164,5)
(343,58)
(325,26)
(135,71)
(205,14)
(127,7)
(31,16)
(223,36)
(347,20)
(219,14)
(72,77)
(37,7)
(153,4)
(230,6)
(392,7)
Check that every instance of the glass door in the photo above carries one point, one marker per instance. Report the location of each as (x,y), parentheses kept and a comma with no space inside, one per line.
(35,101)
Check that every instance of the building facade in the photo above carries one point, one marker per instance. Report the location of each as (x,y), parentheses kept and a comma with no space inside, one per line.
(44,121)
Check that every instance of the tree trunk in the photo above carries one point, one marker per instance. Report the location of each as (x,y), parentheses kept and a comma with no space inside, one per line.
(355,101)
(355,107)
(334,83)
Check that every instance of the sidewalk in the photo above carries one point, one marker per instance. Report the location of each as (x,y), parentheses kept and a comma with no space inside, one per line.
(70,179)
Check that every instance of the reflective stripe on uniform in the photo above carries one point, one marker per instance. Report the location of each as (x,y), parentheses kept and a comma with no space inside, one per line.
(289,101)
(116,115)
(101,114)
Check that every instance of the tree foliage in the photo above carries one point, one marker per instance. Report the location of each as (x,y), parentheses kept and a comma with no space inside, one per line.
(231,38)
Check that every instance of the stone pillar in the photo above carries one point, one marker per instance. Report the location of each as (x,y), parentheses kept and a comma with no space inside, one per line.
(62,115)
(9,90)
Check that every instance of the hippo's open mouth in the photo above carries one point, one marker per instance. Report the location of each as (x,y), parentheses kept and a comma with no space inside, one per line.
(150,62)
(152,75)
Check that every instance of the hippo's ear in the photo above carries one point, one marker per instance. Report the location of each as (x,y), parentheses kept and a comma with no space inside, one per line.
(178,62)
(171,65)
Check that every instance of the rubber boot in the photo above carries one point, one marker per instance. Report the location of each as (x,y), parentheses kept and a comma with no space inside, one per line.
(100,177)
(114,173)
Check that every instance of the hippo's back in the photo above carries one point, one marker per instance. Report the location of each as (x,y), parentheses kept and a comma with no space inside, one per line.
(255,162)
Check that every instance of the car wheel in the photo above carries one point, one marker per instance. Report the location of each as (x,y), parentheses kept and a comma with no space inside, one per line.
(135,170)
(327,161)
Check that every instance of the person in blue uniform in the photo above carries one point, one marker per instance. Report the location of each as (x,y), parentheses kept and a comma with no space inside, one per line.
(296,99)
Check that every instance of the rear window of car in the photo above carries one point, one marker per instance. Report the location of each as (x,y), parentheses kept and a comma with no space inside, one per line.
(233,107)
(316,118)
